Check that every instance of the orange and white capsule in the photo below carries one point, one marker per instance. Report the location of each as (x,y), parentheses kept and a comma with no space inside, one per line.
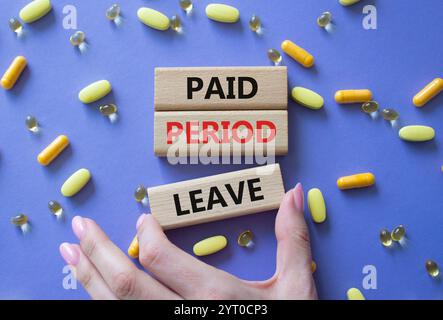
(360,180)
(297,53)
(427,93)
(133,249)
(13,73)
(353,96)
(53,150)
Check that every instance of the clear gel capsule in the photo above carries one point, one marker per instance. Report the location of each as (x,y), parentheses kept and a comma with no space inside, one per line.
(19,220)
(141,195)
(389,114)
(16,26)
(55,208)
(32,124)
(176,24)
(109,110)
(275,56)
(245,239)
(113,14)
(432,268)
(398,233)
(78,39)
(186,5)
(369,107)
(255,24)
(324,19)
(385,238)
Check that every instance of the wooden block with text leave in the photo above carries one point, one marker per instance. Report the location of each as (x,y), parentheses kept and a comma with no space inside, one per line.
(221,88)
(217,197)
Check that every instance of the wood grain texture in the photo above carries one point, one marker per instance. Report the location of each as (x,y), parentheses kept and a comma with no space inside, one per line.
(171,88)
(179,144)
(265,180)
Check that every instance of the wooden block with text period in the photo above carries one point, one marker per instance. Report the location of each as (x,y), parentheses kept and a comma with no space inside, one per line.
(217,197)
(220,133)
(221,88)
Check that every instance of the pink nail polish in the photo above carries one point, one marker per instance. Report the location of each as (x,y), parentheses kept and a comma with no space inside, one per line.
(69,253)
(79,227)
(298,197)
(140,220)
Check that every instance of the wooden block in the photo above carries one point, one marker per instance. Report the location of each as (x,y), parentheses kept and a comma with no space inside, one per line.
(221,88)
(238,133)
(217,197)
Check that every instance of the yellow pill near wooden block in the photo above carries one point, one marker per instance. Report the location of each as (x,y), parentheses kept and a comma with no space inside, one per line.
(210,245)
(222,13)
(355,294)
(427,93)
(416,133)
(153,18)
(14,71)
(297,53)
(95,91)
(353,96)
(53,150)
(307,98)
(317,205)
(134,249)
(35,10)
(348,2)
(75,182)
(360,180)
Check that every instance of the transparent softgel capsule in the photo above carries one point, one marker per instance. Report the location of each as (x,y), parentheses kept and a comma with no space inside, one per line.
(370,107)
(186,5)
(55,208)
(176,24)
(141,195)
(78,39)
(109,110)
(432,268)
(389,114)
(32,124)
(398,233)
(385,238)
(21,220)
(16,26)
(255,24)
(275,56)
(113,14)
(245,239)
(324,19)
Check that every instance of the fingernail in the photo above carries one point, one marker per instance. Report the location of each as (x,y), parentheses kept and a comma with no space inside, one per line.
(140,220)
(298,197)
(69,253)
(79,227)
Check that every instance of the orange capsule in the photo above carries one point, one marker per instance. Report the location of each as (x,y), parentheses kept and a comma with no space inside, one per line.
(53,150)
(133,249)
(353,96)
(427,93)
(297,53)
(359,180)
(13,73)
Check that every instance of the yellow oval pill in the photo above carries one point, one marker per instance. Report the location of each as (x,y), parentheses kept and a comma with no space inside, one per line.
(355,294)
(348,2)
(307,98)
(13,73)
(359,180)
(427,93)
(153,18)
(222,13)
(417,133)
(53,150)
(35,10)
(94,91)
(133,249)
(210,245)
(317,206)
(75,182)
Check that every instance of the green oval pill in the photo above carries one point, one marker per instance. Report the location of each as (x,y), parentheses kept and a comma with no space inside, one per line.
(222,13)
(153,18)
(95,91)
(35,10)
(307,98)
(75,182)
(417,133)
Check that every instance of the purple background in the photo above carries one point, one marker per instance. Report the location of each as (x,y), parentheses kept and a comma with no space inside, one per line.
(395,62)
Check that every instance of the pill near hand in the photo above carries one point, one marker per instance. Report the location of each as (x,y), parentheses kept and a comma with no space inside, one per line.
(222,13)
(53,150)
(75,182)
(14,71)
(416,133)
(360,180)
(35,10)
(153,18)
(210,245)
(317,206)
(427,93)
(307,98)
(95,91)
(297,53)
(353,96)
(355,294)
(133,249)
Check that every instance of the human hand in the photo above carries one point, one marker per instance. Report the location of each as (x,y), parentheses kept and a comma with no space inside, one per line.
(107,273)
